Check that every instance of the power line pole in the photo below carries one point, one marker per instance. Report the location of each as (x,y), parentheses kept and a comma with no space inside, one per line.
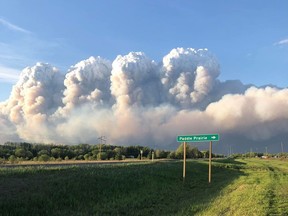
(102,141)
(282,147)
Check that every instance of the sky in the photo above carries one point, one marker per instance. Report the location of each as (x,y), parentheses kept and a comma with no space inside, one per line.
(248,39)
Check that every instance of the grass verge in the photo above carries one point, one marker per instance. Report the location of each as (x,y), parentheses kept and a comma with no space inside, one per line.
(242,187)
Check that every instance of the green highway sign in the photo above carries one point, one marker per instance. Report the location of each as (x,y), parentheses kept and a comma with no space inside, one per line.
(198,138)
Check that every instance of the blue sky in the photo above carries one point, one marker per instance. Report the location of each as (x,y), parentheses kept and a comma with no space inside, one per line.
(249,38)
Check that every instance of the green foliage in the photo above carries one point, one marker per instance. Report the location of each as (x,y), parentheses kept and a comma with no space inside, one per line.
(2,161)
(20,152)
(86,156)
(56,152)
(12,159)
(27,151)
(43,152)
(191,152)
(172,155)
(44,157)
(102,156)
(158,154)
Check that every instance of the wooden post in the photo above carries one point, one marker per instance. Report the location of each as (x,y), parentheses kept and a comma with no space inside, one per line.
(210,161)
(184,160)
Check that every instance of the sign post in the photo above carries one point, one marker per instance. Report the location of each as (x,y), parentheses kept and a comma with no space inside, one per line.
(184,160)
(198,138)
(210,162)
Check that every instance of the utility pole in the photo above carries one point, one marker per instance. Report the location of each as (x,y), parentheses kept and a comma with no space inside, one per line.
(266,150)
(102,141)
(282,147)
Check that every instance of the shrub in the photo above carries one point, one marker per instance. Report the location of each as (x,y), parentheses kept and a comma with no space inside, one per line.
(102,156)
(12,159)
(43,157)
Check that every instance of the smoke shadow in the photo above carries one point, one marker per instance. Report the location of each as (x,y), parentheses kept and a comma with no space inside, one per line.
(200,192)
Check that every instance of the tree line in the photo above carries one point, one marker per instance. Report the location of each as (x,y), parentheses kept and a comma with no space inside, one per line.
(23,151)
(259,155)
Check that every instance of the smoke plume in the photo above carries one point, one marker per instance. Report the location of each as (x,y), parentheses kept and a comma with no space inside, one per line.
(135,100)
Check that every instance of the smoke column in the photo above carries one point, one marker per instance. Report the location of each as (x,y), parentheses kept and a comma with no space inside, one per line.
(135,100)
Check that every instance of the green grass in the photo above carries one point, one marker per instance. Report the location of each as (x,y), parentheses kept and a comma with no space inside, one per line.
(262,190)
(240,187)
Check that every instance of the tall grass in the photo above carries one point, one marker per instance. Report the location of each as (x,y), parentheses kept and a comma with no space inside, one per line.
(145,189)
(261,190)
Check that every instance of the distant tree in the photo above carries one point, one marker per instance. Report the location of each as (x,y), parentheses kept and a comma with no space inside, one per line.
(95,152)
(133,151)
(205,154)
(26,146)
(12,159)
(20,153)
(29,155)
(44,157)
(102,156)
(118,152)
(118,156)
(194,153)
(110,154)
(52,159)
(149,156)
(180,151)
(2,151)
(172,155)
(56,152)
(80,157)
(161,154)
(86,157)
(2,160)
(43,152)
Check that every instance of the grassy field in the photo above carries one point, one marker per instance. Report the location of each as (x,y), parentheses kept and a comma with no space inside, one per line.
(239,187)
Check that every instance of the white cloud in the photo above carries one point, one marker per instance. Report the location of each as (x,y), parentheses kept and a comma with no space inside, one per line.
(13,27)
(282,42)
(9,75)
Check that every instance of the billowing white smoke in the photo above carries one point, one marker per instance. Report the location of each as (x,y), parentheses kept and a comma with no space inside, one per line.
(189,75)
(135,81)
(135,100)
(35,97)
(7,129)
(258,113)
(87,82)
